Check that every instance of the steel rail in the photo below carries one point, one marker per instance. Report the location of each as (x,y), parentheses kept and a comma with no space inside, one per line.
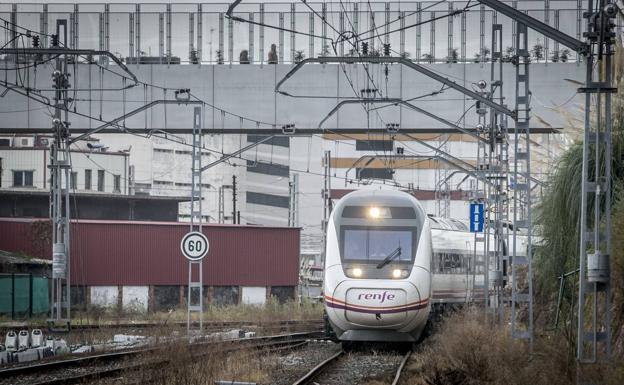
(397,376)
(150,325)
(104,357)
(318,369)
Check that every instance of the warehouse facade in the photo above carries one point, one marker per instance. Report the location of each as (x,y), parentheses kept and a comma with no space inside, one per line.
(139,266)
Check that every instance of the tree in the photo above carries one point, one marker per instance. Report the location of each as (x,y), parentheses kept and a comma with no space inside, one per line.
(453,56)
(538,51)
(325,51)
(557,218)
(299,56)
(405,55)
(564,55)
(486,55)
(555,56)
(428,57)
(509,53)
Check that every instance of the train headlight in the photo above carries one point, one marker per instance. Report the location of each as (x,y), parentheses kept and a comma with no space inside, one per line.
(398,273)
(379,212)
(374,212)
(357,272)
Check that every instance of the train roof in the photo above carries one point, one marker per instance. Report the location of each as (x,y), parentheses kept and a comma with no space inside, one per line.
(448,224)
(452,224)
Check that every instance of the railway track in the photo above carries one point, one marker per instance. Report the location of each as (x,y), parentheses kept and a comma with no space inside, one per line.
(337,369)
(208,325)
(100,366)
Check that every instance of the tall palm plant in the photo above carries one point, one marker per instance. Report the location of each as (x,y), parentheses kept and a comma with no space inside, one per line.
(558,218)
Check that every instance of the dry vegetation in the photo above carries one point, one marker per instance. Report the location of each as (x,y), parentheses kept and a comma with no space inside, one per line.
(181,365)
(466,350)
(272,311)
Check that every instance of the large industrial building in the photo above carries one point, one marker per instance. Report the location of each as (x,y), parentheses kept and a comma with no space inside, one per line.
(169,55)
(171,47)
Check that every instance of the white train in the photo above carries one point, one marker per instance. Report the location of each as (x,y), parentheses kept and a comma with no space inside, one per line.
(389,267)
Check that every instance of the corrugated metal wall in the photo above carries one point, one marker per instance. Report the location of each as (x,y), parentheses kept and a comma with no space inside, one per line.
(148,253)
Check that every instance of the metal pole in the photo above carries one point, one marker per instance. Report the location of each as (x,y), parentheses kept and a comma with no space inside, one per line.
(521,265)
(326,199)
(296,199)
(60,165)
(595,236)
(196,222)
(234,199)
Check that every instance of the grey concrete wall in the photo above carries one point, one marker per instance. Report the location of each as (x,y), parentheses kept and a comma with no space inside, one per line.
(249,91)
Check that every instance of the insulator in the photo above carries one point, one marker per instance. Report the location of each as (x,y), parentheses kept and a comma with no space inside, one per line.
(35,41)
(386,49)
(364,48)
(54,40)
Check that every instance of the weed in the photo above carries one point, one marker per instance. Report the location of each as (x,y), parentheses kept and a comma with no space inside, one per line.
(467,350)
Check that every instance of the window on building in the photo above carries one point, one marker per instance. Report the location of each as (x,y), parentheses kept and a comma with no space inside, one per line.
(73,180)
(87,180)
(373,145)
(22,178)
(282,141)
(267,199)
(268,168)
(374,173)
(5,142)
(117,183)
(100,180)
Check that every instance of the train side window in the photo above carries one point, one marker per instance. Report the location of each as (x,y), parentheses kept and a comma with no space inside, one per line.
(450,263)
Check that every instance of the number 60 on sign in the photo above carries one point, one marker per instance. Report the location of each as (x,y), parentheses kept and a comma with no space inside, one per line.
(194,246)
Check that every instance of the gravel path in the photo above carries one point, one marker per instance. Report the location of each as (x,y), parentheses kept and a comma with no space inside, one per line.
(281,367)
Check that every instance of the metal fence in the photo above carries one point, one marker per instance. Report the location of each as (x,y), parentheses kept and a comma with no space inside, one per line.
(200,33)
(22,295)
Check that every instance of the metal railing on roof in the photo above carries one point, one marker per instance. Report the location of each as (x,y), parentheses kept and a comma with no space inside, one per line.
(194,33)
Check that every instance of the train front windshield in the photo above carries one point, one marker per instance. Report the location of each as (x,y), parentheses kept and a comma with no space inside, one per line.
(376,244)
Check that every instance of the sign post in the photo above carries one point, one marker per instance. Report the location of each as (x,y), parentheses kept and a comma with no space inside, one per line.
(476,217)
(194,245)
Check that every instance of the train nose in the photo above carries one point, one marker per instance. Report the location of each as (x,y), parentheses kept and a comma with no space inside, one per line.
(378,307)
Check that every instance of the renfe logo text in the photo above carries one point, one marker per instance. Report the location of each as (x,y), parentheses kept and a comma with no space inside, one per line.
(382,297)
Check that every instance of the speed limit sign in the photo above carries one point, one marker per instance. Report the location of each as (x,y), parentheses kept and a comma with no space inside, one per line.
(194,246)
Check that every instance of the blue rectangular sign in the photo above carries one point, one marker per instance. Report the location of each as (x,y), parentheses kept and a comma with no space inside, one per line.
(476,217)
